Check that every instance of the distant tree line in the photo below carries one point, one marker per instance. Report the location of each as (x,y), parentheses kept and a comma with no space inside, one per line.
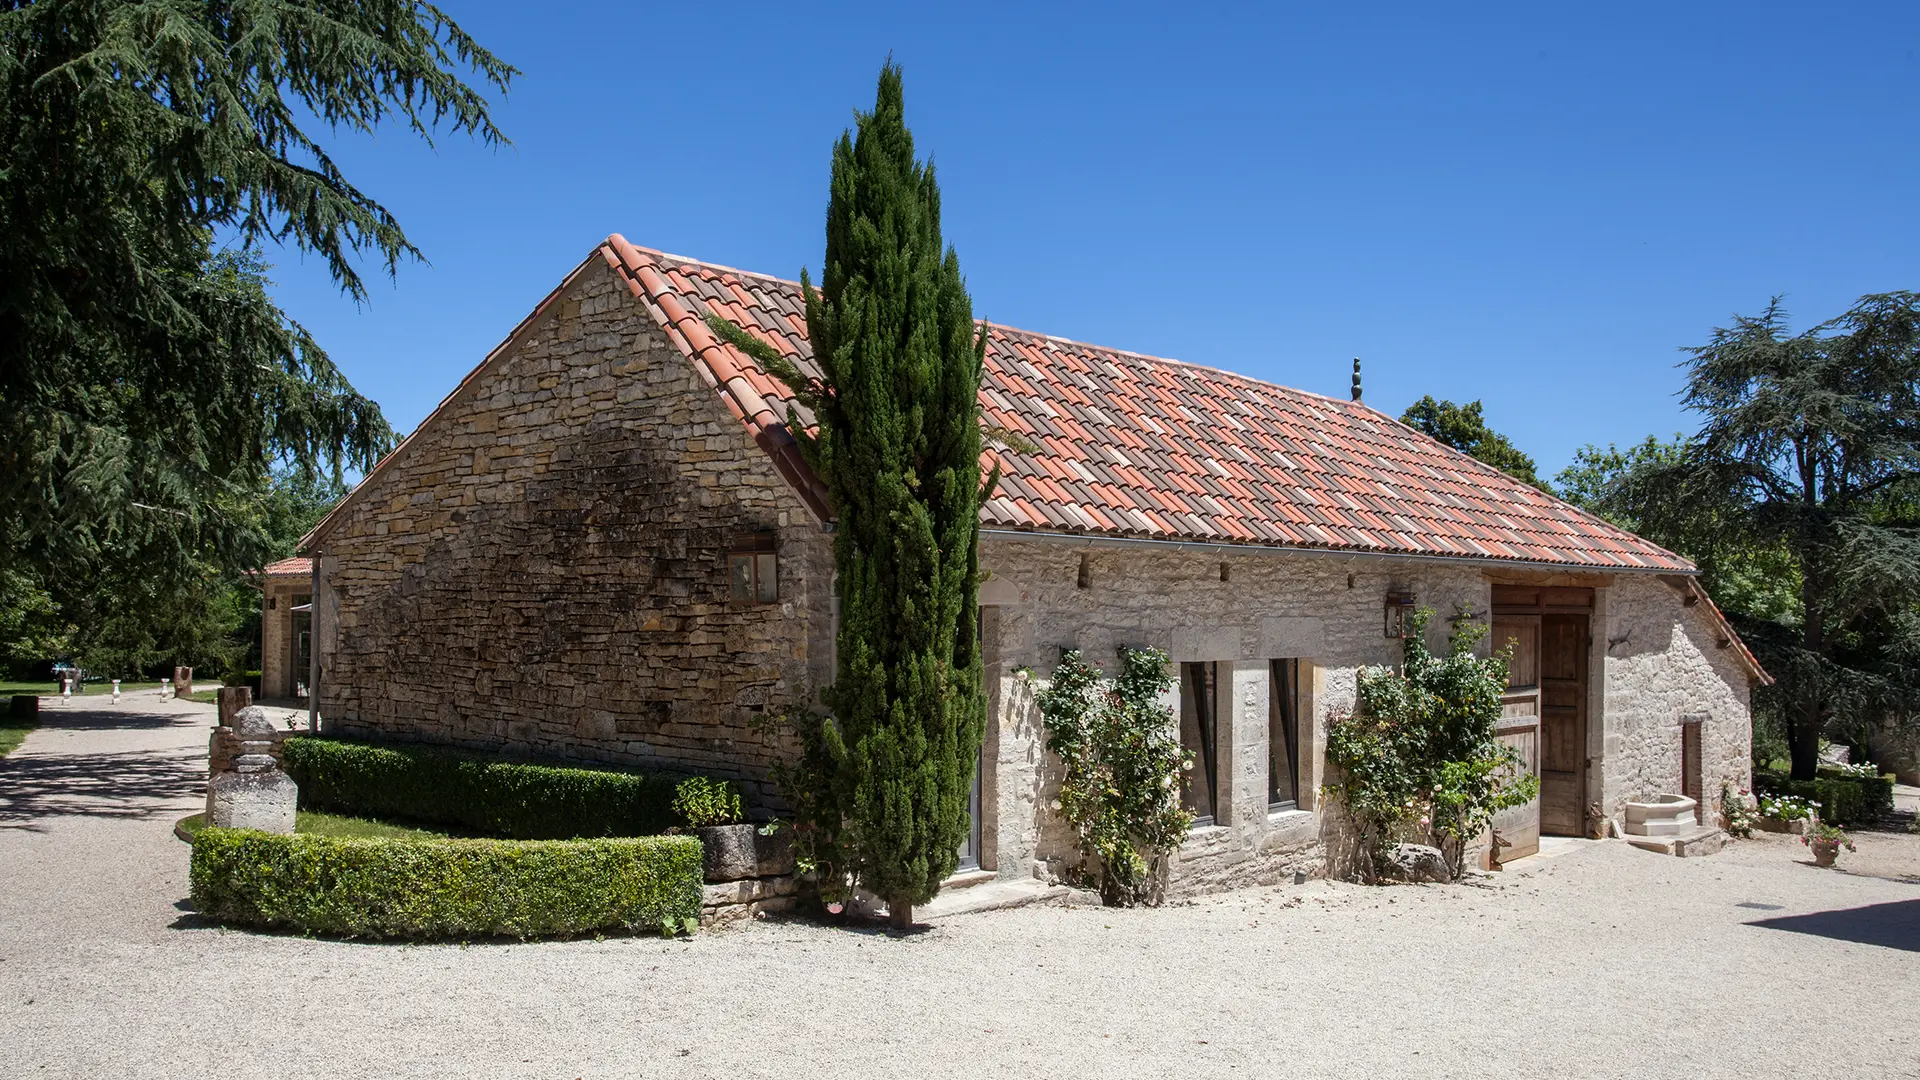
(1799,499)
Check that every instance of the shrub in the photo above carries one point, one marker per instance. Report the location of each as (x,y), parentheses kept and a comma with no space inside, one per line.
(1787,808)
(484,795)
(701,802)
(1739,809)
(1120,751)
(1420,754)
(1842,800)
(384,888)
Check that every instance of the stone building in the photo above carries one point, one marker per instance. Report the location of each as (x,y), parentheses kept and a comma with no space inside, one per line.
(286,604)
(603,545)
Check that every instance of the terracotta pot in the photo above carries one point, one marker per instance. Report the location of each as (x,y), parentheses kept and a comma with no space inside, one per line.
(1824,854)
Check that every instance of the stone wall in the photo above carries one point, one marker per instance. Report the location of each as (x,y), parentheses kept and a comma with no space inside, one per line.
(542,569)
(1665,664)
(276,633)
(1326,611)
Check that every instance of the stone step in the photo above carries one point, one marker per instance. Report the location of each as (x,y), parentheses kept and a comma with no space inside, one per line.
(1699,840)
(998,895)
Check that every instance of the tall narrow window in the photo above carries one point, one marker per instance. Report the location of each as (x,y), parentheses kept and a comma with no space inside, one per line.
(1199,731)
(752,571)
(1283,735)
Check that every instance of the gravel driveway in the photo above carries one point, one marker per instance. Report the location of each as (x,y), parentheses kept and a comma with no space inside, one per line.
(1601,961)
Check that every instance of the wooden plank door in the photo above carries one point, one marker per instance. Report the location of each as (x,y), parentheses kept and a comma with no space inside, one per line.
(1519,826)
(1563,724)
(1690,784)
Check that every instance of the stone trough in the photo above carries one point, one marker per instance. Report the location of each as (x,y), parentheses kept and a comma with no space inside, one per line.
(1663,815)
(1670,824)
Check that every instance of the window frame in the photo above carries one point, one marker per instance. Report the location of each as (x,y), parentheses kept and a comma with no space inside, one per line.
(1200,691)
(1283,719)
(755,555)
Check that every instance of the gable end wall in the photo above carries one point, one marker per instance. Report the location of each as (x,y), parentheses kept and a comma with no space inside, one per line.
(543,571)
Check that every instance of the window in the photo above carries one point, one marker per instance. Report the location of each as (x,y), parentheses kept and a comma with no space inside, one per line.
(1199,731)
(1283,735)
(752,572)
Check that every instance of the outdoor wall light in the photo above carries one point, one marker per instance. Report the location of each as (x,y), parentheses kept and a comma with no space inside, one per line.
(1398,607)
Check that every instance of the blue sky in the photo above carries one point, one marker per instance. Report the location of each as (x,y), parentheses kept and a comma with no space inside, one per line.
(1532,207)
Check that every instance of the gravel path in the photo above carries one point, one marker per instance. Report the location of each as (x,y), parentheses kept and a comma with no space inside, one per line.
(1600,961)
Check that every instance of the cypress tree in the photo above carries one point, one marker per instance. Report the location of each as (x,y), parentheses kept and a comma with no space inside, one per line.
(898,447)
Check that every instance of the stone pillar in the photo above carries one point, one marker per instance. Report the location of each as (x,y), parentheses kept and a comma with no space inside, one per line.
(182,681)
(232,700)
(247,789)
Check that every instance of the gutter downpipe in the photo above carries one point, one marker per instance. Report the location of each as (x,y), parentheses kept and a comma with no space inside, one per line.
(1200,547)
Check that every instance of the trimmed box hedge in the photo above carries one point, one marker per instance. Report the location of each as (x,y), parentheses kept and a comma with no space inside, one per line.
(1843,800)
(387,888)
(481,794)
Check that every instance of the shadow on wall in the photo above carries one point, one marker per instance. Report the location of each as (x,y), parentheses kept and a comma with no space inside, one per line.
(1648,638)
(1894,925)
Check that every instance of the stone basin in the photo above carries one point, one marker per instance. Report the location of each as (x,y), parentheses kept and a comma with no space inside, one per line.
(1662,815)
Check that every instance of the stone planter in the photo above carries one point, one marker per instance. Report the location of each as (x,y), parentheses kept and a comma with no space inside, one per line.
(1824,853)
(1797,827)
(738,852)
(1662,815)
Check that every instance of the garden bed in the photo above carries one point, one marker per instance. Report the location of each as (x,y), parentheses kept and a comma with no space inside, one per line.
(319,823)
(1842,800)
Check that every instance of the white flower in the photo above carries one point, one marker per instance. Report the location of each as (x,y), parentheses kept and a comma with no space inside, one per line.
(1055,804)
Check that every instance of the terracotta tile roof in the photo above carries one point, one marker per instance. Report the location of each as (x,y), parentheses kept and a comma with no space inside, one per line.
(295,567)
(1136,446)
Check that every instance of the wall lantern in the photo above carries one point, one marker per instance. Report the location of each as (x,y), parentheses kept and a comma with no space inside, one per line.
(1399,609)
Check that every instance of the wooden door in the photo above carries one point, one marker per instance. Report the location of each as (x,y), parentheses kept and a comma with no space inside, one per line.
(1518,827)
(1563,724)
(1690,785)
(1518,636)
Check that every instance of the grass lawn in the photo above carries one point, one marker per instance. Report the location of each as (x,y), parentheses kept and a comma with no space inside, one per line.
(9,687)
(204,697)
(319,824)
(13,729)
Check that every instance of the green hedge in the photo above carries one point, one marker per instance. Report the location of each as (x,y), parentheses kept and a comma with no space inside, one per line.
(1842,800)
(484,795)
(384,888)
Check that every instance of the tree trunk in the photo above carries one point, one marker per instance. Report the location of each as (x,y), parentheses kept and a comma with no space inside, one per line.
(1803,740)
(1804,715)
(899,916)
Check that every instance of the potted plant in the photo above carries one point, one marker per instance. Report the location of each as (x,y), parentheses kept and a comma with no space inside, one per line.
(1825,841)
(734,849)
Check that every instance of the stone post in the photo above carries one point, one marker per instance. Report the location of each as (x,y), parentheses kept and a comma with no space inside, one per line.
(247,789)
(232,699)
(182,681)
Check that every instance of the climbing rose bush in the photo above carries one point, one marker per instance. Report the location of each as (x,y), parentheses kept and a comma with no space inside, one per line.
(1119,748)
(1418,758)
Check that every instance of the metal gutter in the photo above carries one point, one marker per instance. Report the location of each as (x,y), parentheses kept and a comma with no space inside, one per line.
(1198,547)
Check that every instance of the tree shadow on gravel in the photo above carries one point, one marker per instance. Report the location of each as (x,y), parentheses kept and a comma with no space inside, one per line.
(106,719)
(134,784)
(1893,925)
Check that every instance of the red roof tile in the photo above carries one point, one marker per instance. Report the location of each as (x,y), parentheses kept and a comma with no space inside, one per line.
(290,568)
(1137,446)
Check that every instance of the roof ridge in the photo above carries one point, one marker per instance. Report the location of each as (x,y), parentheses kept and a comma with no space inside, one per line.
(1008,328)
